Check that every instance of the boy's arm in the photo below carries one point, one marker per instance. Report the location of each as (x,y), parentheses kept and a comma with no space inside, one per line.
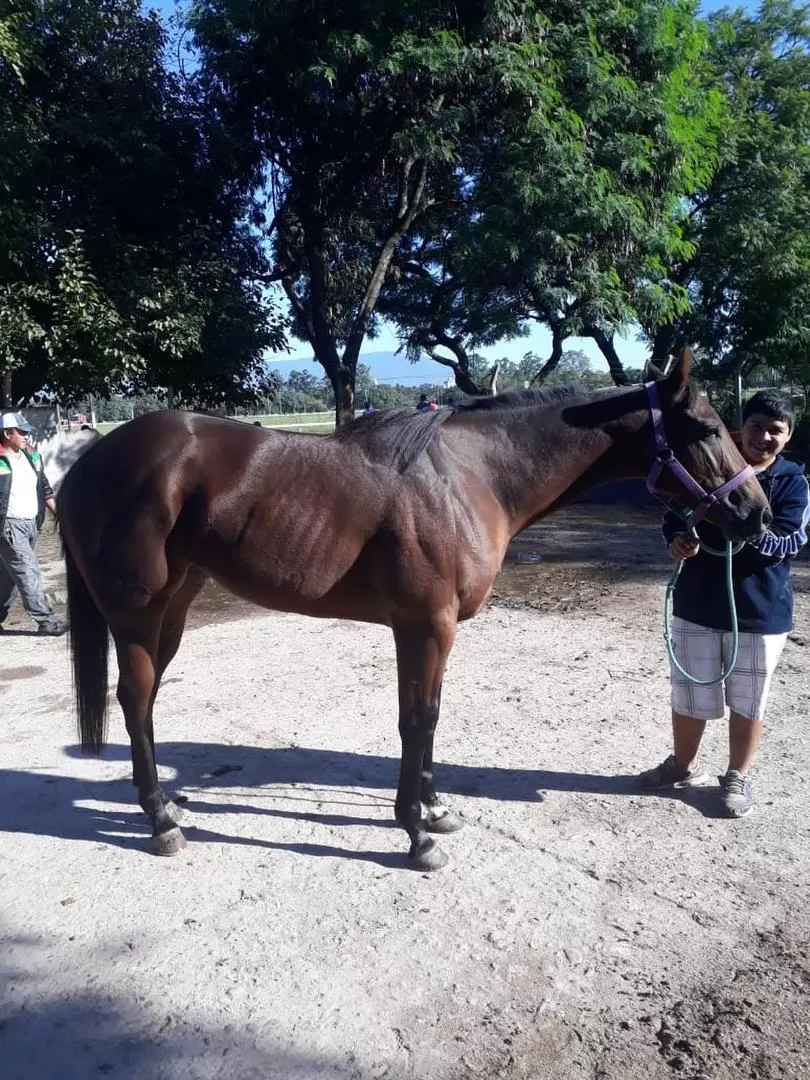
(671,526)
(791,514)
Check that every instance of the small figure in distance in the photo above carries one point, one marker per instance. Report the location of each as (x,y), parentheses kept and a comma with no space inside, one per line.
(25,494)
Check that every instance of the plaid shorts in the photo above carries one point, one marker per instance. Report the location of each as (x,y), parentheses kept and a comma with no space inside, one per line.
(701,650)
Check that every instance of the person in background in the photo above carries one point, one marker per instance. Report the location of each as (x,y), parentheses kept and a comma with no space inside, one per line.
(369,409)
(701,627)
(24,495)
(423,405)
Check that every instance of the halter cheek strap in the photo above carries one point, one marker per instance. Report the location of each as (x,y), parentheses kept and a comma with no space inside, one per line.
(665,459)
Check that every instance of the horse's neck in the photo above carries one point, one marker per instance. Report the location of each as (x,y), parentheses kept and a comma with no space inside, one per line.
(555,460)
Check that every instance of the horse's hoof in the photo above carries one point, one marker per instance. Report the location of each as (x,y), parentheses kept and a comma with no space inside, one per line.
(428,858)
(168,843)
(174,811)
(442,820)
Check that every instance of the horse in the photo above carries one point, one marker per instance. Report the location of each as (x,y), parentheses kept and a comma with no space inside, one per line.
(398,518)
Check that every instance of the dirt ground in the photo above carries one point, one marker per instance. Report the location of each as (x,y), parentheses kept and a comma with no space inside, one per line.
(582,929)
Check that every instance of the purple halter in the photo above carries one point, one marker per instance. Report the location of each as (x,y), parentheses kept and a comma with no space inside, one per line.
(665,459)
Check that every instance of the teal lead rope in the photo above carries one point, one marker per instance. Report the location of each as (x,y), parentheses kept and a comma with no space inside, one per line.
(729,552)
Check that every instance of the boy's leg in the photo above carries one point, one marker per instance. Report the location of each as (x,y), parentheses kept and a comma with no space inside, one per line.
(698,650)
(687,731)
(744,737)
(747,689)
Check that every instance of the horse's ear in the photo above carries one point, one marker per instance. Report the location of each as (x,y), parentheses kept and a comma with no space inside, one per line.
(678,378)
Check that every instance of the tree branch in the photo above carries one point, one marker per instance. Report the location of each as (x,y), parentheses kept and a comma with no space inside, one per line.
(556,355)
(409,205)
(608,350)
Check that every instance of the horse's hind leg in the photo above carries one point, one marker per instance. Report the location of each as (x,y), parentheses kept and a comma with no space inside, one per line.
(137,655)
(438,817)
(422,653)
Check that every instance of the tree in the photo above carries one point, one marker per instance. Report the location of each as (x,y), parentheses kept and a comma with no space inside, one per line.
(382,134)
(574,367)
(569,207)
(749,275)
(125,262)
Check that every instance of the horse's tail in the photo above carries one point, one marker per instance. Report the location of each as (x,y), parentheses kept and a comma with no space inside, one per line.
(89,646)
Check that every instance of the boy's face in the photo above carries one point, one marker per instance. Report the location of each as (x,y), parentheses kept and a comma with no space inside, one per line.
(763,438)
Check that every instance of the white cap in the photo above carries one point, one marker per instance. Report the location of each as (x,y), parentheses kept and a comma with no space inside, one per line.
(14,420)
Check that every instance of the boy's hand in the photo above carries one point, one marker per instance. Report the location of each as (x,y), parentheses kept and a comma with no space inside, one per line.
(683,547)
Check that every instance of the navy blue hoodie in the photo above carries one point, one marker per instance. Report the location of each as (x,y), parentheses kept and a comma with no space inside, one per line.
(761,570)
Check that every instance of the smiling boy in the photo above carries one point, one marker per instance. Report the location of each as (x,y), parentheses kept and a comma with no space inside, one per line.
(701,629)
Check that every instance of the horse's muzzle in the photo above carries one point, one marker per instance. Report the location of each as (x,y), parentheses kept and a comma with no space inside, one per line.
(748,526)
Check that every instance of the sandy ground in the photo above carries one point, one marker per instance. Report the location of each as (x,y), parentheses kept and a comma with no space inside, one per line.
(581,930)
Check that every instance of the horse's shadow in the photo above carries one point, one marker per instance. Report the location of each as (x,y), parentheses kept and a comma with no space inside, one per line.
(323,786)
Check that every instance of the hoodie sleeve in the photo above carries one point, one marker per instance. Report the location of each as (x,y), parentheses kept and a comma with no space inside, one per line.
(671,526)
(791,513)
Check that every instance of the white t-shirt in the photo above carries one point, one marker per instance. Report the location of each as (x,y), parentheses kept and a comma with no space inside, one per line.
(22,501)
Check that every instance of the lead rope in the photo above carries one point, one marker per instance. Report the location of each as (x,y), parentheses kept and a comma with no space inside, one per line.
(729,552)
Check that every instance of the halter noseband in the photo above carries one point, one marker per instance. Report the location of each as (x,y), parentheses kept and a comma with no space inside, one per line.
(665,459)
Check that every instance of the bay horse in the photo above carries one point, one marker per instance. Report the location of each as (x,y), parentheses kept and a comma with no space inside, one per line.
(400,518)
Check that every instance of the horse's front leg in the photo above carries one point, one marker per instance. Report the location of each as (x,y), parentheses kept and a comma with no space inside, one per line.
(439,818)
(422,653)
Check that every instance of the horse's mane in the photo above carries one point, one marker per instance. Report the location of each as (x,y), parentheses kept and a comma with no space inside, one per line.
(396,437)
(514,400)
(393,437)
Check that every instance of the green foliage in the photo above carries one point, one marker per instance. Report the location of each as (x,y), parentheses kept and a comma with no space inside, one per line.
(749,275)
(569,205)
(124,263)
(574,369)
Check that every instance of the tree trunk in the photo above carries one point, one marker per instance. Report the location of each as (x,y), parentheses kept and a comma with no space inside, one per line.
(556,355)
(608,350)
(342,380)
(461,371)
(5,390)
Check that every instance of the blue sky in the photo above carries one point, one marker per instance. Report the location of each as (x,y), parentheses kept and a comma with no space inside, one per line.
(632,352)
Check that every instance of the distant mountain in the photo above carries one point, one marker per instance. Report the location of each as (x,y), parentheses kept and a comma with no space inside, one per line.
(386,367)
